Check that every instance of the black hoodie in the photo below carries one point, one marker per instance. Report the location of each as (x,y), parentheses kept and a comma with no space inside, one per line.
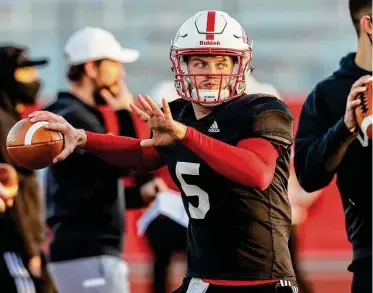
(84,206)
(321,133)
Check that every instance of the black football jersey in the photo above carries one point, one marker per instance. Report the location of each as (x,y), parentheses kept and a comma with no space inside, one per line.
(235,232)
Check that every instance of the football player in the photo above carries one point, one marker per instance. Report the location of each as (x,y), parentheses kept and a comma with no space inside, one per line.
(329,144)
(228,152)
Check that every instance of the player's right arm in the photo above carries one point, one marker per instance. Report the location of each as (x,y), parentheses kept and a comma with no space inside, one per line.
(121,151)
(319,148)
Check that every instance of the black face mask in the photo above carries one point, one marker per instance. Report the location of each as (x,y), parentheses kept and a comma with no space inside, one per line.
(26,93)
(99,100)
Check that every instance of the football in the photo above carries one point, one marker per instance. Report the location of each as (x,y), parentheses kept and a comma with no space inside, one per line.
(32,146)
(364,111)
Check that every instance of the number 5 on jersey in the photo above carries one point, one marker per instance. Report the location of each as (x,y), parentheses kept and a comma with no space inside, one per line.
(185,168)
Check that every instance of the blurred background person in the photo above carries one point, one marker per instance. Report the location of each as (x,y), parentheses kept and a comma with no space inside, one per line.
(329,142)
(22,265)
(85,200)
(165,236)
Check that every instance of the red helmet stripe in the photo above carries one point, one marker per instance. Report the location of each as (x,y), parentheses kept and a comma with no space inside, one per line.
(210,27)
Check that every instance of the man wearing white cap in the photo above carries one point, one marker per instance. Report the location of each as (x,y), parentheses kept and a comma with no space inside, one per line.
(85,203)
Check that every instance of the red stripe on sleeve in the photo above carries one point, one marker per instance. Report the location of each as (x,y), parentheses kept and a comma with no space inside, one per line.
(251,163)
(123,152)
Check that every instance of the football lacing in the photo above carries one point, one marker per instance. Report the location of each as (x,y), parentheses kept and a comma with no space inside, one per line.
(364,104)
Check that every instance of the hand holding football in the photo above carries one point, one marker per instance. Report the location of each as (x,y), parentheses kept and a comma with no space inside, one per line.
(32,146)
(363,112)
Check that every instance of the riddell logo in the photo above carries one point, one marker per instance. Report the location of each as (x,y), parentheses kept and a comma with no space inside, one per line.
(209,43)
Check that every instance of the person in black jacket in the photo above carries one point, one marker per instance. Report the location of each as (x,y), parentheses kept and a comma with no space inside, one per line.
(85,203)
(22,265)
(329,142)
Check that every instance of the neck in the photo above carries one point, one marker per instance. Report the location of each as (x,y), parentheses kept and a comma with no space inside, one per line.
(84,93)
(201,111)
(363,57)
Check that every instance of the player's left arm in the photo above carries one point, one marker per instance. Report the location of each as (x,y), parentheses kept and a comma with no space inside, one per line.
(252,162)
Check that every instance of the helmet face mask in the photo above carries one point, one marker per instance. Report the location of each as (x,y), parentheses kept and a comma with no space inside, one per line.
(225,38)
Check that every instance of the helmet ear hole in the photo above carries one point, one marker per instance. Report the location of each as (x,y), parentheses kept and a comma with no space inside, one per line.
(185,59)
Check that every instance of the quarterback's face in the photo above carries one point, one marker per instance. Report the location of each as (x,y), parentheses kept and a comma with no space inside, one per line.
(208,69)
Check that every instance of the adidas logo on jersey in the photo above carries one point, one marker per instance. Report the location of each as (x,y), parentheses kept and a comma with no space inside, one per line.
(214,127)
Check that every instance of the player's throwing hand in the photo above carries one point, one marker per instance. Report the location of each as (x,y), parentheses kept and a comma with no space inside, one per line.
(72,137)
(165,129)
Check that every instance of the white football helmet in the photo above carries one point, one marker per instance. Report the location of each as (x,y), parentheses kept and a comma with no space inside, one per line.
(211,33)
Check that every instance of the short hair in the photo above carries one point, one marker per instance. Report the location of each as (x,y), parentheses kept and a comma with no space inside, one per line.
(76,72)
(359,8)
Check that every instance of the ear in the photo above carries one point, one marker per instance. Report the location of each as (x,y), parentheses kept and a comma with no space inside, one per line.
(91,69)
(366,24)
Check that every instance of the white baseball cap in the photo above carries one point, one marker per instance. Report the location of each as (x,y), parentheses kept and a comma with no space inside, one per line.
(93,43)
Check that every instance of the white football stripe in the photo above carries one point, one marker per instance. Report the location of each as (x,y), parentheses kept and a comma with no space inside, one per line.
(365,124)
(31,131)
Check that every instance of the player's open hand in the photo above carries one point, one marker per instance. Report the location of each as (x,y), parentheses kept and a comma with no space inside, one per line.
(72,137)
(165,129)
(8,186)
(352,101)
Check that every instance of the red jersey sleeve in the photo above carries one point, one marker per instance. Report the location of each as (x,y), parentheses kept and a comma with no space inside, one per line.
(251,163)
(123,152)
